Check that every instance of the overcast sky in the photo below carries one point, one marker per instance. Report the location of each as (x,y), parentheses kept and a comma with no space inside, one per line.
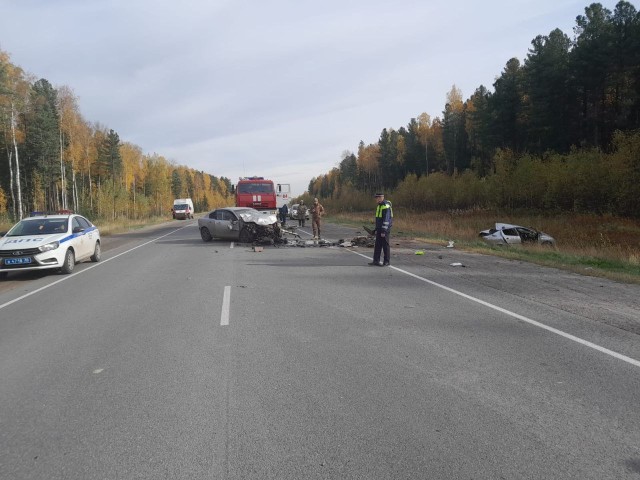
(276,88)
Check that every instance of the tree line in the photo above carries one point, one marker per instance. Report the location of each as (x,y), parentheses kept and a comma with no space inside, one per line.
(550,135)
(56,160)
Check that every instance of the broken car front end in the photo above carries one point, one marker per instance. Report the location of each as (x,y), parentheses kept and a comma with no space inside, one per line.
(259,228)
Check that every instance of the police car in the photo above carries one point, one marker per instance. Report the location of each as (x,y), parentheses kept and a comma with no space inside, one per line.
(47,241)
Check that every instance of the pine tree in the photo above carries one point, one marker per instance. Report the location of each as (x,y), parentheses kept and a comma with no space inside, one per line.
(42,146)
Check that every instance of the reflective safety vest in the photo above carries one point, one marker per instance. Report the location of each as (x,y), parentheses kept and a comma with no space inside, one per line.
(384,216)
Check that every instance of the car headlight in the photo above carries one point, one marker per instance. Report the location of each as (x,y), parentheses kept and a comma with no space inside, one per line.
(49,246)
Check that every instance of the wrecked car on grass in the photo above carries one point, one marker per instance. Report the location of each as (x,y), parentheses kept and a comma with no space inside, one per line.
(244,225)
(508,234)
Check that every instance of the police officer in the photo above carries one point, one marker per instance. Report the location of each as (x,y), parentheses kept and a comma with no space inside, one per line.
(384,221)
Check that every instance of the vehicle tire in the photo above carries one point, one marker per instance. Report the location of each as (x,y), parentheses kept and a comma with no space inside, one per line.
(205,234)
(245,236)
(69,262)
(547,244)
(97,253)
(3,275)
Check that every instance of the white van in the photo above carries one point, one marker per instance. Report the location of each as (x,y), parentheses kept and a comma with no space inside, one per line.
(182,208)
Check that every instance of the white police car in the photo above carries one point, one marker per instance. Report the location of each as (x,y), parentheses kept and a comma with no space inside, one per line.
(49,241)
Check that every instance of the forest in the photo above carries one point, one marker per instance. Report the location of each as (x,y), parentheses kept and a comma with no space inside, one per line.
(558,132)
(54,159)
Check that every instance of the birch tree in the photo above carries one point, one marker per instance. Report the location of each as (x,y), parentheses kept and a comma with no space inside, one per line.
(14,88)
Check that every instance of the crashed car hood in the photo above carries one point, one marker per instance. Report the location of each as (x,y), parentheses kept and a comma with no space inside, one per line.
(259,218)
(32,241)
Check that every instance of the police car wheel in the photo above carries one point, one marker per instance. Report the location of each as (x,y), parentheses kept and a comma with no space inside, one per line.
(3,275)
(69,262)
(97,253)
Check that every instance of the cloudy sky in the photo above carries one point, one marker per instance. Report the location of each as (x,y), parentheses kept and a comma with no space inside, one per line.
(276,88)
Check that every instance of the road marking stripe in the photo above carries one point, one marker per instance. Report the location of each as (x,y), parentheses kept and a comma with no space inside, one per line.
(226,300)
(231,246)
(579,340)
(102,262)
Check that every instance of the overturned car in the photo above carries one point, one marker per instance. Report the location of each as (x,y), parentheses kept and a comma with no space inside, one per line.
(507,234)
(242,224)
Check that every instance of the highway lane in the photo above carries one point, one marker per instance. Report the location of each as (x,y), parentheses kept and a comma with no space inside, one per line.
(327,368)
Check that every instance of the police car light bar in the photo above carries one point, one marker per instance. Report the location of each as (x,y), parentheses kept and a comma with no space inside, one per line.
(57,212)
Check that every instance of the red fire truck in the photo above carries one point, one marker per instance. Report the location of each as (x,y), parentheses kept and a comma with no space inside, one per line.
(256,192)
(261,194)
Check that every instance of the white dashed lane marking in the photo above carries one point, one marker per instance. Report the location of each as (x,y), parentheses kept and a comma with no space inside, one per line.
(226,300)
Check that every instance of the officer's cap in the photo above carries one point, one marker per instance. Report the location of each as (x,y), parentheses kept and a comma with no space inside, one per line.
(379,195)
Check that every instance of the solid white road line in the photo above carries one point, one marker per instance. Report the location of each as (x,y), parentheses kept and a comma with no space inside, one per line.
(67,277)
(226,301)
(573,338)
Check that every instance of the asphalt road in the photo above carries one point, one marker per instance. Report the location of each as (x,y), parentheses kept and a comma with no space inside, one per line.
(179,359)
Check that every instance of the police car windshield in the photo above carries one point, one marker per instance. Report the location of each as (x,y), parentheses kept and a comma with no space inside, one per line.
(38,227)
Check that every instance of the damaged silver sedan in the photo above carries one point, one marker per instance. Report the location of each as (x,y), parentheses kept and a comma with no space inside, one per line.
(244,225)
(507,234)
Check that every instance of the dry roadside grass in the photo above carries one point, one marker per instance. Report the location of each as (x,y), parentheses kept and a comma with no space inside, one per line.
(110,228)
(603,246)
(121,226)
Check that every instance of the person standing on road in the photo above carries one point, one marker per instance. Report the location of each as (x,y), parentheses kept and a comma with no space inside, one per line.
(384,221)
(317,211)
(284,211)
(302,212)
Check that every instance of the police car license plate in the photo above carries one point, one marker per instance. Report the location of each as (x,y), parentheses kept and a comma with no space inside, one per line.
(17,261)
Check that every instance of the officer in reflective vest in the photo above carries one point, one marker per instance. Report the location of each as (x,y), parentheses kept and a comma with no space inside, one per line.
(384,221)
